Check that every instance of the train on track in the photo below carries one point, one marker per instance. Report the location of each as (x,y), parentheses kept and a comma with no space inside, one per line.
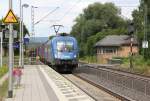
(60,52)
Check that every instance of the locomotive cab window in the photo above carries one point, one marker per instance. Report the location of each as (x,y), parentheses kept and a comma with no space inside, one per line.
(64,46)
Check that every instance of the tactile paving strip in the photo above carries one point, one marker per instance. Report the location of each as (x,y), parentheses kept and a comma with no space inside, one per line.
(65,88)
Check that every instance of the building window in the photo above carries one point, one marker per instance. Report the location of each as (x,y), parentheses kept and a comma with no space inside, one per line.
(110,50)
(98,51)
(105,50)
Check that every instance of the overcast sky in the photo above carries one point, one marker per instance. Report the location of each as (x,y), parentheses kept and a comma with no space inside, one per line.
(65,15)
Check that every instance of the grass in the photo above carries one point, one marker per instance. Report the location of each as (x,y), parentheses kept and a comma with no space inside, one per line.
(140,65)
(3,70)
(3,90)
(89,59)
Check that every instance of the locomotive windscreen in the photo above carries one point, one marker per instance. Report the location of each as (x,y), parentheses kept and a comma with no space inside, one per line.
(64,46)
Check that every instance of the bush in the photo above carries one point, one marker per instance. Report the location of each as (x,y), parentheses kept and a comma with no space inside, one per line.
(89,59)
(118,58)
(148,62)
(139,60)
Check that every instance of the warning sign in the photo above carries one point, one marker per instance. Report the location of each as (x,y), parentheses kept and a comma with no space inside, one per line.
(10,17)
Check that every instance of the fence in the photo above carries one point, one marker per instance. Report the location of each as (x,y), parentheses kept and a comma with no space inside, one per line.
(27,61)
(127,85)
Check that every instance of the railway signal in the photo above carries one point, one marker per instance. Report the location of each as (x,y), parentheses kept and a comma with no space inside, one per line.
(131,32)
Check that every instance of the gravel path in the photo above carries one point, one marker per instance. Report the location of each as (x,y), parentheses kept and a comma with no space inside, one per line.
(93,91)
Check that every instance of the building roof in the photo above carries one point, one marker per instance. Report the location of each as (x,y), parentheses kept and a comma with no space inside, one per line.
(116,40)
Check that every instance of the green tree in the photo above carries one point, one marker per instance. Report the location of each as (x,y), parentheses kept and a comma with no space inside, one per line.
(90,26)
(138,19)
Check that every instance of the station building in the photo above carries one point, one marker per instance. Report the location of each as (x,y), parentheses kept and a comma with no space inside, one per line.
(115,46)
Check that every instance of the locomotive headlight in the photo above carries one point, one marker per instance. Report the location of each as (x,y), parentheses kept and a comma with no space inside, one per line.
(75,56)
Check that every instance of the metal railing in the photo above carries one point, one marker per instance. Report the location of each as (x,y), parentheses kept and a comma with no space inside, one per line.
(27,61)
(130,86)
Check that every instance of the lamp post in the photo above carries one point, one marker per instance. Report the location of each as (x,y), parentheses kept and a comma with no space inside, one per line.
(22,36)
(20,55)
(32,21)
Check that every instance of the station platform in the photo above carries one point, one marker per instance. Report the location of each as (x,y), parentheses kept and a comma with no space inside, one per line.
(41,83)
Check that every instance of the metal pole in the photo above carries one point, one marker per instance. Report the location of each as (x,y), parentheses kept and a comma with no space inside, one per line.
(22,40)
(20,54)
(10,88)
(131,45)
(32,23)
(145,28)
(2,48)
(32,19)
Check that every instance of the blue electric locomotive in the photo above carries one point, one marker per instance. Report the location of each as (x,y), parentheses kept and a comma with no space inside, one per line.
(62,53)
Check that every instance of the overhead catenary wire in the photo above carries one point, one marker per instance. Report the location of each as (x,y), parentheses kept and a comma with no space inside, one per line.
(120,6)
(126,6)
(46,15)
(68,11)
(42,20)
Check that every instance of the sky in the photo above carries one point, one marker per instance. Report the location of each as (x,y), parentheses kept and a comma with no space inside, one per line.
(66,13)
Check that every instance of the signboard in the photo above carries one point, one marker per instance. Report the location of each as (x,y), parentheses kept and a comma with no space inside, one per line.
(26,39)
(10,17)
(15,33)
(16,45)
(145,44)
(7,34)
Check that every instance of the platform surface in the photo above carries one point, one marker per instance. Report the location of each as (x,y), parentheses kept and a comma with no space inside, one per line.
(32,88)
(41,83)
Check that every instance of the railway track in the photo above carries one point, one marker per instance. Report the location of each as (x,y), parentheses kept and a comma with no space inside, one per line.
(93,91)
(125,85)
